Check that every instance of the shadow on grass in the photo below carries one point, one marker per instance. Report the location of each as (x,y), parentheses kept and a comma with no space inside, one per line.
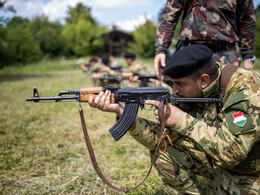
(20,76)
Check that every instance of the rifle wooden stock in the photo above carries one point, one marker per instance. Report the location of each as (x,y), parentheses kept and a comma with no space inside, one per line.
(96,75)
(85,98)
(91,90)
(85,93)
(127,75)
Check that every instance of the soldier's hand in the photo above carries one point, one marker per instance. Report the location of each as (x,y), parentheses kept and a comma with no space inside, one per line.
(134,79)
(248,65)
(102,102)
(159,62)
(105,69)
(172,113)
(96,75)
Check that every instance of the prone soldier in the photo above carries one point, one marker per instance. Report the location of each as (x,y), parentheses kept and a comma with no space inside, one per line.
(105,70)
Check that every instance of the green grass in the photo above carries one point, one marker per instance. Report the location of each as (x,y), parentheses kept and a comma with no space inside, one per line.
(56,65)
(42,149)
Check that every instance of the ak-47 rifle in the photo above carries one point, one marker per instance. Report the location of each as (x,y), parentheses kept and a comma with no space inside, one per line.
(144,78)
(133,98)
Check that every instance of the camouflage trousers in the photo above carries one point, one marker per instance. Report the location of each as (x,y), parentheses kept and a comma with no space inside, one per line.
(127,83)
(104,82)
(185,169)
(228,56)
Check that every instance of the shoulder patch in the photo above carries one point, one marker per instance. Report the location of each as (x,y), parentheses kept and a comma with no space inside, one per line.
(239,119)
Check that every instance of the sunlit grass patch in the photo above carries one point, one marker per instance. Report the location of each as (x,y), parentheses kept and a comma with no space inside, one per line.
(42,148)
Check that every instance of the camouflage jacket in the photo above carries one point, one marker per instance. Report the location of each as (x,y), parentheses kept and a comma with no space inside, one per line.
(227,142)
(225,21)
(138,67)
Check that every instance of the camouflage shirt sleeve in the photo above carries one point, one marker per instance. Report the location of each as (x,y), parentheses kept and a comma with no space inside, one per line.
(230,141)
(138,67)
(145,132)
(167,23)
(148,132)
(246,22)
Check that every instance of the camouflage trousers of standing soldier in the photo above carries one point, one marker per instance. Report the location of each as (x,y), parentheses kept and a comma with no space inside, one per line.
(185,169)
(228,56)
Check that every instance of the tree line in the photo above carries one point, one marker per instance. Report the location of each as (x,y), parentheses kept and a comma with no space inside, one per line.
(24,41)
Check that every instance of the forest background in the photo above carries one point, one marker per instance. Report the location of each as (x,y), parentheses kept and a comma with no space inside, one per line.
(24,40)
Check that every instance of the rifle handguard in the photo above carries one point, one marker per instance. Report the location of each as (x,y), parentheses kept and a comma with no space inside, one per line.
(125,121)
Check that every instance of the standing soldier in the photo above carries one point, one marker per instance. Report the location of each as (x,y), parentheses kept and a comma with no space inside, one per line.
(219,24)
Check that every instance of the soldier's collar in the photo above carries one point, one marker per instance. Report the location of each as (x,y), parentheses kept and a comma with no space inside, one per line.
(214,86)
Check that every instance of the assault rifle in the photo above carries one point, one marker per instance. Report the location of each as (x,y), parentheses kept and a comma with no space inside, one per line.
(133,98)
(144,78)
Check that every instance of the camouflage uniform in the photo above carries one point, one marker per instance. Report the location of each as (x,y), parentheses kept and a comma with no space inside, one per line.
(103,82)
(218,148)
(136,67)
(217,24)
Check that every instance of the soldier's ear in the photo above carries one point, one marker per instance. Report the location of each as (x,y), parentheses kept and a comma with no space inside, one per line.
(204,81)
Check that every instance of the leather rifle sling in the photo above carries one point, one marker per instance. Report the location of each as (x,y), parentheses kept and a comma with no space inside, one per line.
(161,109)
(226,74)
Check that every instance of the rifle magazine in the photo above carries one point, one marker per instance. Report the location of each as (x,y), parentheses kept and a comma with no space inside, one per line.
(125,121)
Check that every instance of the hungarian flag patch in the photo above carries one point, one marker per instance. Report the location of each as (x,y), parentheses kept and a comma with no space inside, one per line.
(239,119)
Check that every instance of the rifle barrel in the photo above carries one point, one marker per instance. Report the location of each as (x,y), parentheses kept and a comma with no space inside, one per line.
(179,99)
(53,99)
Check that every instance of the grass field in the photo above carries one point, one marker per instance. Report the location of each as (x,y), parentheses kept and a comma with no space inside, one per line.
(42,149)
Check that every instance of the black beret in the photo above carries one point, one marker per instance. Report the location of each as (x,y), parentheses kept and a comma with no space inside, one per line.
(187,61)
(105,59)
(129,55)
